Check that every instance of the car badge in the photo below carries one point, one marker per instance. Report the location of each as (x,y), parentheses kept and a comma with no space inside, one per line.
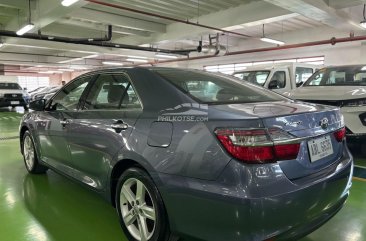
(324,123)
(14,95)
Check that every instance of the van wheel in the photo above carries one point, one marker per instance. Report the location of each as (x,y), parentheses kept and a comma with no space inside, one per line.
(30,156)
(140,208)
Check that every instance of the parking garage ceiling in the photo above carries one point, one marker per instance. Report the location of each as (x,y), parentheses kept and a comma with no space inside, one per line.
(89,19)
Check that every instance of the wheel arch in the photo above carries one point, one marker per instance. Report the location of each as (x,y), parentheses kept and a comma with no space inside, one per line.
(22,131)
(117,171)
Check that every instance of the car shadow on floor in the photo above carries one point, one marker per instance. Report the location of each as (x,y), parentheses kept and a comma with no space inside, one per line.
(68,211)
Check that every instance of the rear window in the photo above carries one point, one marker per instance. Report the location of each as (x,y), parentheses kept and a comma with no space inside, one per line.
(212,88)
(9,86)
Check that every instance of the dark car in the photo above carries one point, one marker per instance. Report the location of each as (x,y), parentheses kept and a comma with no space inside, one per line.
(188,153)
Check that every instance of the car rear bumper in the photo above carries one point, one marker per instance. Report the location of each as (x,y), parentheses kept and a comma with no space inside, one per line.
(250,204)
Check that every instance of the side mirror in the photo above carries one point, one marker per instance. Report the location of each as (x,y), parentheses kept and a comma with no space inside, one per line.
(38,105)
(273,84)
(299,84)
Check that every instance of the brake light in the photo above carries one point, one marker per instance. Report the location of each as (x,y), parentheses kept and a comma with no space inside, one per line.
(340,134)
(258,146)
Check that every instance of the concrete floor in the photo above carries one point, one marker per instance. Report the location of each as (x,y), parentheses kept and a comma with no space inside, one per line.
(53,208)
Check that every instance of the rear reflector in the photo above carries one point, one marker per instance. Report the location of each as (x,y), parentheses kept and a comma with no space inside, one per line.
(257,146)
(340,134)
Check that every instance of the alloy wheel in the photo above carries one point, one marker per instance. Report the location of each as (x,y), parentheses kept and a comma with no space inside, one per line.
(138,210)
(28,152)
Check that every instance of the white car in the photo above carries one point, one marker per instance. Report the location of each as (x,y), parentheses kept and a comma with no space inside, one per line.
(11,94)
(342,86)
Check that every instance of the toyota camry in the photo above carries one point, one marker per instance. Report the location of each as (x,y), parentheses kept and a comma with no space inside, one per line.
(185,153)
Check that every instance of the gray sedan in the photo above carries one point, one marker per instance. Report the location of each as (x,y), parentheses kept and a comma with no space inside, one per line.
(184,153)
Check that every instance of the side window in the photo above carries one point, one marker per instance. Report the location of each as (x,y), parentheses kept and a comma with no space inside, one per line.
(302,74)
(68,98)
(278,80)
(316,78)
(112,91)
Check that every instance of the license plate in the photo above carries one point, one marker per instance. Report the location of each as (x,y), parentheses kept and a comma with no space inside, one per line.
(320,148)
(14,102)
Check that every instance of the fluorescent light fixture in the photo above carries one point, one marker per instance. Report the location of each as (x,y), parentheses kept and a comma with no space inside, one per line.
(25,29)
(137,60)
(363,23)
(69,60)
(67,3)
(91,56)
(47,72)
(240,68)
(273,41)
(168,56)
(311,59)
(112,63)
(315,62)
(285,61)
(66,70)
(136,57)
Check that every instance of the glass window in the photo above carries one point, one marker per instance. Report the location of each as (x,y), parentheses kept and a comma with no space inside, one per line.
(339,76)
(112,92)
(216,88)
(302,74)
(254,77)
(68,98)
(10,86)
(278,80)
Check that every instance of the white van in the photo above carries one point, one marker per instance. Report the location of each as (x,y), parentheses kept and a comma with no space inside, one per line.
(281,78)
(11,94)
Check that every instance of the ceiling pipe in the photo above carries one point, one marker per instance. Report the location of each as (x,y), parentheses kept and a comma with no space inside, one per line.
(331,41)
(165,17)
(92,42)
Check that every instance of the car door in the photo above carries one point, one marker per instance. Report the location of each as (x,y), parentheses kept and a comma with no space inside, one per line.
(52,124)
(102,127)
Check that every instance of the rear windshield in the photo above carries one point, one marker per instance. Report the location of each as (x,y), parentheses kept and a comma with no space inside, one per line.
(212,88)
(255,77)
(9,86)
(339,76)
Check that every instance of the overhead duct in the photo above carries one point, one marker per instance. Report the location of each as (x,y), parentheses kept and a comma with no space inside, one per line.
(100,42)
(213,48)
(331,41)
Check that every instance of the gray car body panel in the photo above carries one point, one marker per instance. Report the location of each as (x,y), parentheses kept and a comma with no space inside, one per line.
(207,193)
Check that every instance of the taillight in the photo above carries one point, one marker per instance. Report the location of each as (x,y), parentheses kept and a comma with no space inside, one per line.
(340,134)
(258,145)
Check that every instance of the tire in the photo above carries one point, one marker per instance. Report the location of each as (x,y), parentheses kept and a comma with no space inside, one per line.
(30,156)
(146,210)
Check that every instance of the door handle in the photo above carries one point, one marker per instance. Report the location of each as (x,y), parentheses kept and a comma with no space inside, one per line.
(64,122)
(119,126)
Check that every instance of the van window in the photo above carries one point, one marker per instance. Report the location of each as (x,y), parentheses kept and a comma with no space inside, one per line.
(255,77)
(280,78)
(302,74)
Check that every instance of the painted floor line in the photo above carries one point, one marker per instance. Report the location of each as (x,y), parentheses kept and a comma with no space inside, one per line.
(363,167)
(359,179)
